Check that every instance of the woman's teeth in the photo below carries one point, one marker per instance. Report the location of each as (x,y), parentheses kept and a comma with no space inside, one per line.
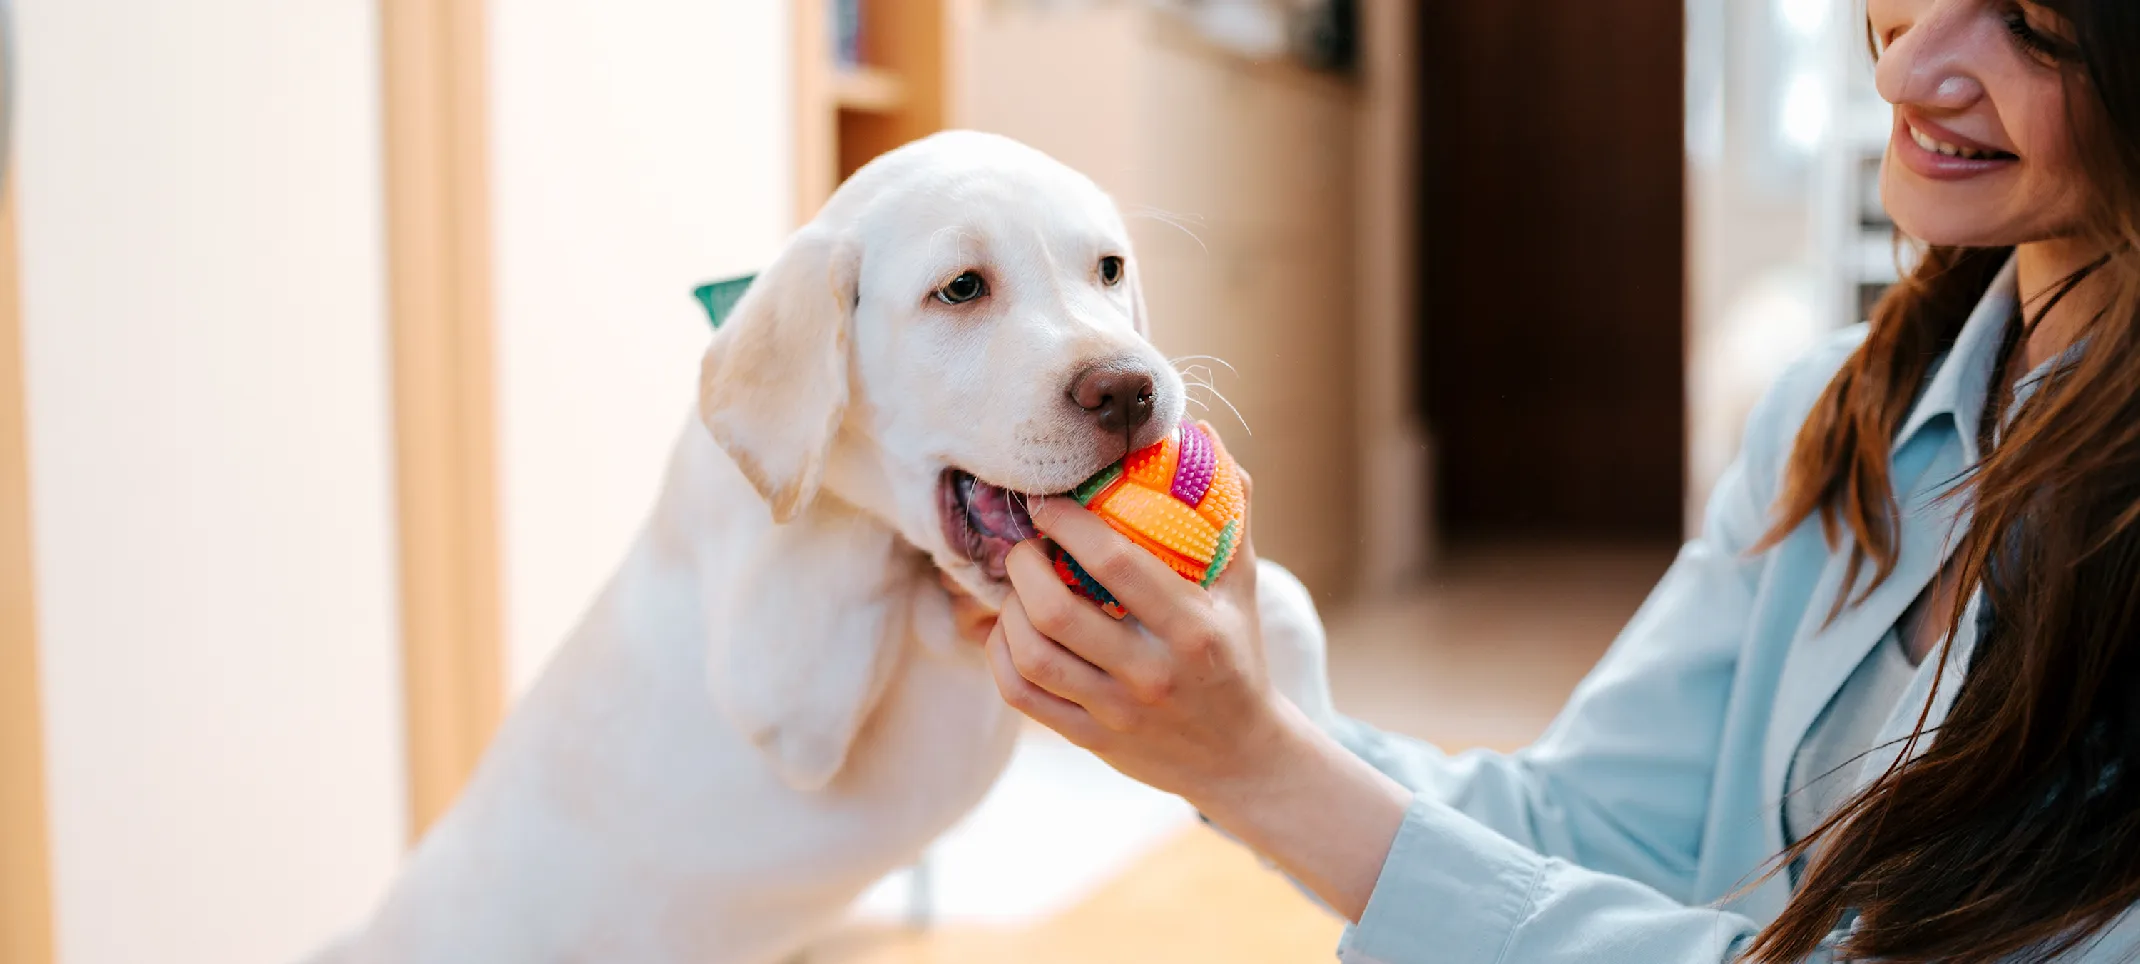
(1942,147)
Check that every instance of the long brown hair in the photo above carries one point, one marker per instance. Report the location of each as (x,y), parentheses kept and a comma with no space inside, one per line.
(2017,830)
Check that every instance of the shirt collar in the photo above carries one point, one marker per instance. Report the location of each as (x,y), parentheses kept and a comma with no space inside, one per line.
(1959,389)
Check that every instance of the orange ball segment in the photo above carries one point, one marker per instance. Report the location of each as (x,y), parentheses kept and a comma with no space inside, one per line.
(1180,498)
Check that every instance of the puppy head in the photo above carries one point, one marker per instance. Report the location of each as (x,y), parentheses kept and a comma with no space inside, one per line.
(961,328)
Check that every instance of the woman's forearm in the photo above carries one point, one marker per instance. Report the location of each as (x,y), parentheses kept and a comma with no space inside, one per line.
(1320,813)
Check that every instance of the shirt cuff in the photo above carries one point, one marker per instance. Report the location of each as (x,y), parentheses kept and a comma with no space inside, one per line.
(1450,890)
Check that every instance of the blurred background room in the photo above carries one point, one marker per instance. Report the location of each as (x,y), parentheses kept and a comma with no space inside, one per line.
(343,342)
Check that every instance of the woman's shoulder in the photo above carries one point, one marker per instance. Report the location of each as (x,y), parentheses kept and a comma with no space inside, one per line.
(1773,425)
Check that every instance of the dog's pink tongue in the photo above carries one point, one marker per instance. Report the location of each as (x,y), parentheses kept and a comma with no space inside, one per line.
(1000,513)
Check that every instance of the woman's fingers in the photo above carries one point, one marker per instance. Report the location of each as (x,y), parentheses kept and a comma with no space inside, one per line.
(1158,596)
(1117,648)
(1238,582)
(1058,671)
(1043,661)
(1048,709)
(1237,585)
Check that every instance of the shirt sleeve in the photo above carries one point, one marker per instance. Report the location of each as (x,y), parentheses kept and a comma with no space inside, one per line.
(1454,892)
(1583,846)
(1620,781)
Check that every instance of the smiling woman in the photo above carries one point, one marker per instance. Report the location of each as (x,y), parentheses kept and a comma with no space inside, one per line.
(1979,697)
(1981,154)
(2017,134)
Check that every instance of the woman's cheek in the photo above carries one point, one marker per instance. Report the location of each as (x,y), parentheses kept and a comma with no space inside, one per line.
(2042,129)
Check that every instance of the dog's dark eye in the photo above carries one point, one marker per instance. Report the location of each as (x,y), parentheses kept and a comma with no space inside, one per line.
(1110,269)
(962,289)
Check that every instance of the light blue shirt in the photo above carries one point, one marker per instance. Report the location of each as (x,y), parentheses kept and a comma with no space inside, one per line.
(1657,793)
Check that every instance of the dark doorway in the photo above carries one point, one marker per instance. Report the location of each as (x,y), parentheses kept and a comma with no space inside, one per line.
(1552,350)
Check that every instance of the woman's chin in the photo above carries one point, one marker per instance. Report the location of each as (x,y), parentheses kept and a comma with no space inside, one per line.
(1940,231)
(1945,215)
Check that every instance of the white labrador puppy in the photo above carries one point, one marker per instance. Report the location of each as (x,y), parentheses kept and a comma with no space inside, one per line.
(768,708)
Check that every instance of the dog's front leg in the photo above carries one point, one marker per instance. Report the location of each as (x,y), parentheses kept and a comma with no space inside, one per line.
(806,635)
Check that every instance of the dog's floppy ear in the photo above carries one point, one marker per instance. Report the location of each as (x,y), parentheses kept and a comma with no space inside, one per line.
(807,632)
(773,385)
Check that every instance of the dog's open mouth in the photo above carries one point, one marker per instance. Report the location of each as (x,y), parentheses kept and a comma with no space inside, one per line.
(981,520)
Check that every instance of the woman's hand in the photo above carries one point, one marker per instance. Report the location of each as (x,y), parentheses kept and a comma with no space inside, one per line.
(1179,698)
(1186,706)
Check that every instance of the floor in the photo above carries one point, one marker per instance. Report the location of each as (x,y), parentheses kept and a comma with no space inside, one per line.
(1068,861)
(1488,650)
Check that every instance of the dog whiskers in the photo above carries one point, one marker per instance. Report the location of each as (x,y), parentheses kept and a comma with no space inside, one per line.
(1174,221)
(1194,376)
(1211,358)
(1223,400)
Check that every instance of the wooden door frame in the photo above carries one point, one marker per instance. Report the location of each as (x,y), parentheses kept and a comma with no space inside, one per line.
(435,86)
(25,848)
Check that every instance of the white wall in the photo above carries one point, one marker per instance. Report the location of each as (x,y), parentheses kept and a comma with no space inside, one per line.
(639,147)
(208,414)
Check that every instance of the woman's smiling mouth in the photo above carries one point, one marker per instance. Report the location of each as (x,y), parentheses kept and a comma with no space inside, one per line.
(1936,153)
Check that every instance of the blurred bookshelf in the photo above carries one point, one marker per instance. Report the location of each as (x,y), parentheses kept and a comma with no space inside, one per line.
(868,90)
(870,75)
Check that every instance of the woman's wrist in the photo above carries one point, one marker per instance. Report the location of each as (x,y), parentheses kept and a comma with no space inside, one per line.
(1321,813)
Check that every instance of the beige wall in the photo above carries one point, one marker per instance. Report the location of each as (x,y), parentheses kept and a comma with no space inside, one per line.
(639,148)
(204,346)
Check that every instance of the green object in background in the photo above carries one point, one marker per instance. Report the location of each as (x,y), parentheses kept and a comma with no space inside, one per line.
(720,297)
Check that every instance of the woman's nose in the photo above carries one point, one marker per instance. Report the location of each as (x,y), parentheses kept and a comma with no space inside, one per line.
(1929,62)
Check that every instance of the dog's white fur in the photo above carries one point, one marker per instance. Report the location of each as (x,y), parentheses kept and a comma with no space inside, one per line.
(766,711)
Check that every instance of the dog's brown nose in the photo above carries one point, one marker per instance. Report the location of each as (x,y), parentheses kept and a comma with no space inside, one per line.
(1120,399)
